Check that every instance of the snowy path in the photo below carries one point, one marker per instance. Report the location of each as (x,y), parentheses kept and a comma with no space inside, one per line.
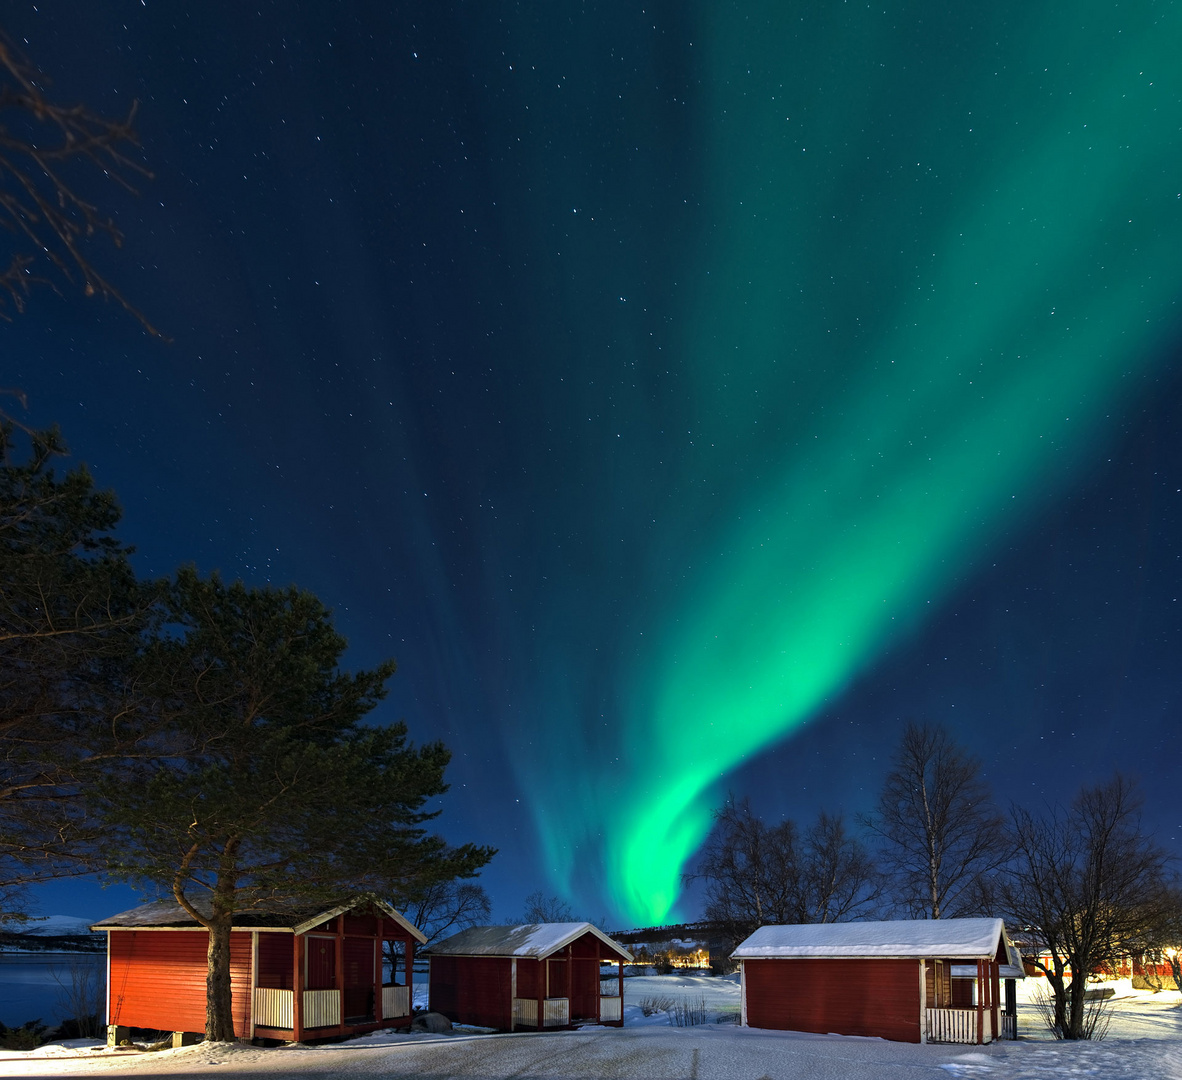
(646,1053)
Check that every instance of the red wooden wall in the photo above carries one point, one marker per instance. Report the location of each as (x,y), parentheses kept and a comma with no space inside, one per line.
(275,961)
(158,979)
(478,990)
(529,976)
(846,997)
(473,990)
(962,993)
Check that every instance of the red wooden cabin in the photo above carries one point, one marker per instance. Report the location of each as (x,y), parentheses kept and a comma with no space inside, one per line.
(295,974)
(507,977)
(893,980)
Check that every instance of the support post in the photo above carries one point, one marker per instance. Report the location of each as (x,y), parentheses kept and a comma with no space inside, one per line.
(108,983)
(570,963)
(377,975)
(338,975)
(923,1002)
(982,990)
(254,980)
(409,959)
(513,994)
(994,993)
(297,987)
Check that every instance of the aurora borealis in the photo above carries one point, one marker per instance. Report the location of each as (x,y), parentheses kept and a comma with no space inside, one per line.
(984,305)
(645,376)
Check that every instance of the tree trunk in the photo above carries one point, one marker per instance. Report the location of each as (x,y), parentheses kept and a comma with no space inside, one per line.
(1060,995)
(1075,1018)
(219,1002)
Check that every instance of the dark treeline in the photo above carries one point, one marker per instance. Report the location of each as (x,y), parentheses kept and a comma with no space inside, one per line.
(1081,887)
(194,737)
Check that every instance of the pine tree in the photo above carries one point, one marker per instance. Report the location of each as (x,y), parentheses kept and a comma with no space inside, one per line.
(265,784)
(70,614)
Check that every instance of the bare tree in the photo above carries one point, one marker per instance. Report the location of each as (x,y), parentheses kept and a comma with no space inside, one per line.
(438,908)
(756,874)
(939,832)
(1088,887)
(49,219)
(1168,943)
(446,907)
(840,878)
(540,908)
(82,992)
(750,871)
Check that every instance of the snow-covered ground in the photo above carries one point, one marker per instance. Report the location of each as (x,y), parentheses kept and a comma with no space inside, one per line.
(720,996)
(1145,1041)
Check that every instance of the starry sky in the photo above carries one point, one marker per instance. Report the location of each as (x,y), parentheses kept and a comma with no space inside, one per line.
(687,393)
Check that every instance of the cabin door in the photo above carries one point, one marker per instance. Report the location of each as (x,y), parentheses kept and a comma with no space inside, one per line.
(584,988)
(321,963)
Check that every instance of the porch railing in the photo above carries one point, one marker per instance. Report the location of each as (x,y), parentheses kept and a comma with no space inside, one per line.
(611,1007)
(322,1008)
(1009,1026)
(956,1026)
(272,1008)
(395,1001)
(555,1012)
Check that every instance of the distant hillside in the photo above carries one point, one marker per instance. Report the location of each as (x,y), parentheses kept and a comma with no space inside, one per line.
(56,933)
(686,932)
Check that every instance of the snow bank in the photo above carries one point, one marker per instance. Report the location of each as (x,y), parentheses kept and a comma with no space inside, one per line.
(1145,1041)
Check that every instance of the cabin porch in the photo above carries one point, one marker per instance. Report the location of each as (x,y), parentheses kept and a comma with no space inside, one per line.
(568,989)
(330,980)
(964,1005)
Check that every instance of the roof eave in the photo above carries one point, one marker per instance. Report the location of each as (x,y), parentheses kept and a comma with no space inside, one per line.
(863,956)
(577,933)
(355,902)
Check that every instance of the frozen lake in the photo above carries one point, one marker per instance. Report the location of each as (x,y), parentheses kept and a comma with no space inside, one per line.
(37,985)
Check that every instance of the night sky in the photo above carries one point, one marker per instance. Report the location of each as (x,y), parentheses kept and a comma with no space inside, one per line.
(687,394)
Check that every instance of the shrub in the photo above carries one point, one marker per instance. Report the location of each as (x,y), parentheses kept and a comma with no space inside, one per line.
(688,1012)
(1097,1013)
(651,1005)
(85,1027)
(29,1036)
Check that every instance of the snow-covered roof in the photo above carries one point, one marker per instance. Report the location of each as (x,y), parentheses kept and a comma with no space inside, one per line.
(537,940)
(951,938)
(1004,971)
(169,915)
(1013,968)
